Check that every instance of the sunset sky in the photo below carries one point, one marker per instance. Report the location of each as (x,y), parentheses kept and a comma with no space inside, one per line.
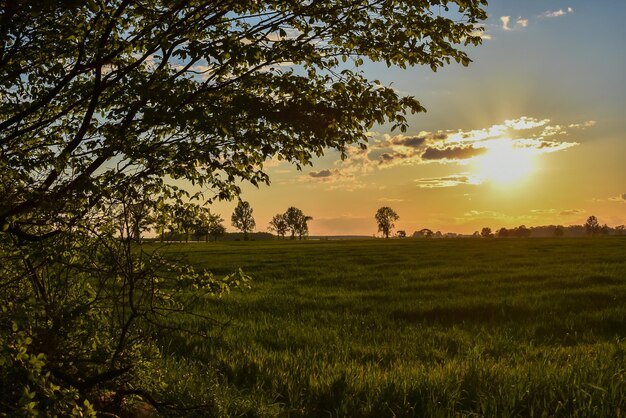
(533,132)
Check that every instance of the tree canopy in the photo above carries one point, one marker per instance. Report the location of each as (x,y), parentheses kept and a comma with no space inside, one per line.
(385,218)
(98,95)
(242,218)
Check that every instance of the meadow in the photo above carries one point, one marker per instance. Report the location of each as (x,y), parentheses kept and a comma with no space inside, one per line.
(413,327)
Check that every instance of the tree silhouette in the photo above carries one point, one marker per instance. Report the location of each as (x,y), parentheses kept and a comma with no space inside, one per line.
(279,225)
(297,222)
(486,232)
(558,231)
(592,226)
(242,218)
(502,232)
(385,218)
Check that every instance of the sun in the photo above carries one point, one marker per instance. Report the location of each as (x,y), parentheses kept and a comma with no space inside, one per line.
(503,163)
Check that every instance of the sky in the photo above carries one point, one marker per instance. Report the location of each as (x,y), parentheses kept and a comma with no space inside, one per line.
(533,132)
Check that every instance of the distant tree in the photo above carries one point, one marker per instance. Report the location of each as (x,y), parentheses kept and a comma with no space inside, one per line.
(502,232)
(592,227)
(476,234)
(558,231)
(385,218)
(401,234)
(619,230)
(242,218)
(279,225)
(604,230)
(297,222)
(303,226)
(521,231)
(486,232)
(216,229)
(438,234)
(426,233)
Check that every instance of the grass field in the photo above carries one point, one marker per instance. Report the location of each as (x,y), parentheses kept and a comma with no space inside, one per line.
(384,328)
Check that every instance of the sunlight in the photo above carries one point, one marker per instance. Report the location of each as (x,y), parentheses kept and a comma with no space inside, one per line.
(503,163)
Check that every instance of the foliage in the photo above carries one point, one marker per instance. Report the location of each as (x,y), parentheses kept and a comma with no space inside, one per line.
(297,222)
(486,232)
(106,106)
(385,218)
(209,224)
(592,226)
(279,225)
(242,218)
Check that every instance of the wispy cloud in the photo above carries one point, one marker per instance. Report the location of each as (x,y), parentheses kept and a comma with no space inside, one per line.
(323,173)
(572,212)
(447,181)
(452,153)
(557,13)
(505,22)
(519,23)
(621,198)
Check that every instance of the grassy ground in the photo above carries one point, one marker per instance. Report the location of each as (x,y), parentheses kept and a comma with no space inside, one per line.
(469,327)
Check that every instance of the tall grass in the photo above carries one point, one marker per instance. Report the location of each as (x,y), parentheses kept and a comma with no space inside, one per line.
(476,327)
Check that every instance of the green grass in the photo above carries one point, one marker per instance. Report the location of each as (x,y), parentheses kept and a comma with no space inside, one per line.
(384,328)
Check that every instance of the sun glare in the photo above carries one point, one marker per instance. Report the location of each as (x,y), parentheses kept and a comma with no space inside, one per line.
(504,164)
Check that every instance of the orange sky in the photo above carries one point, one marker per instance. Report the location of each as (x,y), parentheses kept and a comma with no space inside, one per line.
(533,133)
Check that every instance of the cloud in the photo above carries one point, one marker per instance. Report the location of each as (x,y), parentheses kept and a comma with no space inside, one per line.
(533,135)
(322,173)
(390,200)
(505,22)
(557,13)
(408,141)
(520,23)
(571,212)
(524,123)
(479,214)
(452,153)
(620,198)
(583,125)
(543,211)
(447,181)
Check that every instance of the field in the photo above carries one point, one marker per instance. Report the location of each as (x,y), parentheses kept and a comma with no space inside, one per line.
(390,328)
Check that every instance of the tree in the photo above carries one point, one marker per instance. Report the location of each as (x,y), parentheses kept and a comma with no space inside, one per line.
(521,231)
(385,218)
(100,102)
(279,225)
(502,232)
(208,224)
(558,231)
(297,222)
(216,228)
(425,232)
(303,226)
(242,218)
(401,234)
(592,226)
(486,232)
